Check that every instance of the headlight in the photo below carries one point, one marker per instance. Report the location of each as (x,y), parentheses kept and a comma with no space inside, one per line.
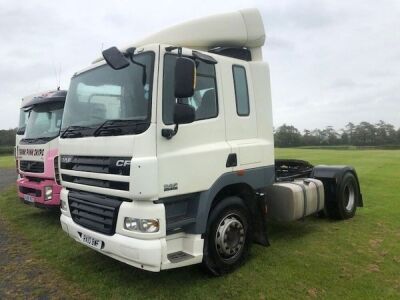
(142,225)
(48,193)
(63,205)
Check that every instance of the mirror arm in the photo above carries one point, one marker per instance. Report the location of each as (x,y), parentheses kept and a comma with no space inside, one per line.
(169,133)
(130,52)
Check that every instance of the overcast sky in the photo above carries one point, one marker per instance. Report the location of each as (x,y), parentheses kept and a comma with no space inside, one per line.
(331,61)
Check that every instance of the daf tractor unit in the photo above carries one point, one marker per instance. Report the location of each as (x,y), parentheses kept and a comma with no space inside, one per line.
(37,152)
(167,151)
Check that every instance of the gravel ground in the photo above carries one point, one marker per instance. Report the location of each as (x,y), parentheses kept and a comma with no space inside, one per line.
(23,275)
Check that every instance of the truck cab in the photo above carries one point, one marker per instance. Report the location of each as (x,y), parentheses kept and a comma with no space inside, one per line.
(37,152)
(166,147)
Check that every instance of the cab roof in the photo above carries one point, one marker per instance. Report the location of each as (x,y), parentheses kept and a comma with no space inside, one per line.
(51,96)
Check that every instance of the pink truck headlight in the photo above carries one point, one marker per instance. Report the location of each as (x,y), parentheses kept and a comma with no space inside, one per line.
(48,193)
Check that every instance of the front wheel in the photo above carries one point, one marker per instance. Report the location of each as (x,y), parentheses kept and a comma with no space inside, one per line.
(227,241)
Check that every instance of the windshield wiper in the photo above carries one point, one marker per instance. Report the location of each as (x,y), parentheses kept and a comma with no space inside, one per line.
(113,127)
(73,131)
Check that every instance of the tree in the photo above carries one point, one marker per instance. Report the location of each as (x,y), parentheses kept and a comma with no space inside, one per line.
(385,133)
(309,139)
(330,136)
(344,137)
(398,136)
(364,134)
(350,128)
(7,137)
(287,136)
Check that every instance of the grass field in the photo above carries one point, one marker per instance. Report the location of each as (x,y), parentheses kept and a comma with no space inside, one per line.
(315,258)
(7,162)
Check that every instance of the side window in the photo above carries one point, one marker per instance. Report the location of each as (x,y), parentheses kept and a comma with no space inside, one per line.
(204,100)
(241,90)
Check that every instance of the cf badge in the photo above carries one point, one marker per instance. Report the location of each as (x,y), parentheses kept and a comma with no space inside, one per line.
(122,163)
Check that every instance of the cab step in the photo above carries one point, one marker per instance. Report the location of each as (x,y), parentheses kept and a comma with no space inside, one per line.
(179,256)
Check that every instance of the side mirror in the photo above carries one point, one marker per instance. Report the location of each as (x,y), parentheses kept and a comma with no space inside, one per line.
(185,72)
(115,59)
(183,113)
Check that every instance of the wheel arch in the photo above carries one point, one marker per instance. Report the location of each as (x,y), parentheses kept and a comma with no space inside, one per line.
(332,177)
(194,209)
(245,184)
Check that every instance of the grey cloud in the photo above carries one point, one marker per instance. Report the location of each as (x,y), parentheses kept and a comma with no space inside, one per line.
(346,83)
(331,61)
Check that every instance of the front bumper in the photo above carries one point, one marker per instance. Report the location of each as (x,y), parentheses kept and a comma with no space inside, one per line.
(37,191)
(143,254)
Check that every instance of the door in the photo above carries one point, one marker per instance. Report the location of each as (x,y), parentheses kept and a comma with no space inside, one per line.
(240,113)
(196,156)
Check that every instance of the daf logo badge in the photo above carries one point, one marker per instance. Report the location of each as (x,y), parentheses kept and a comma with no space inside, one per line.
(170,187)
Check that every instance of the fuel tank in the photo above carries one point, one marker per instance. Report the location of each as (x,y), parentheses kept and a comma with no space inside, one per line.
(293,200)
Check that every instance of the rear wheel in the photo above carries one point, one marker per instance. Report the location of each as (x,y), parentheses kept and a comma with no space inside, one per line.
(227,242)
(347,198)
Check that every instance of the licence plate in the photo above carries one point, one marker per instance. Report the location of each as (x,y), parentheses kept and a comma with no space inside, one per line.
(90,241)
(29,198)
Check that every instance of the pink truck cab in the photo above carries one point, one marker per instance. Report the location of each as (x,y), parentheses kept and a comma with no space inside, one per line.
(37,153)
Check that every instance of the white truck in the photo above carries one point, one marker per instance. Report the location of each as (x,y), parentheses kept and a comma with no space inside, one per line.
(167,151)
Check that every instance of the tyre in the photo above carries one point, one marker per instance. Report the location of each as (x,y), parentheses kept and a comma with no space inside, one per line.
(347,198)
(227,240)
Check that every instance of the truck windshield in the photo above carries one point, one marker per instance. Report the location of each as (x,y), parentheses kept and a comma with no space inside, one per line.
(44,121)
(121,98)
(23,119)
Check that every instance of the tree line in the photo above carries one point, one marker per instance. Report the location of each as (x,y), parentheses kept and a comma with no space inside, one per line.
(7,137)
(362,134)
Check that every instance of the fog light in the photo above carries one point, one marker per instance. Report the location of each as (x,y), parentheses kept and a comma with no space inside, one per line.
(48,193)
(63,205)
(142,225)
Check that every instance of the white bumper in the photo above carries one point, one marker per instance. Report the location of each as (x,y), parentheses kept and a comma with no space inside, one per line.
(143,254)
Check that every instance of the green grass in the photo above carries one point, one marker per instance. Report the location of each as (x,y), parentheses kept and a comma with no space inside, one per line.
(7,162)
(315,258)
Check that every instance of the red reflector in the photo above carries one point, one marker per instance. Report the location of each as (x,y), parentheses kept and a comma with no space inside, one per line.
(240,172)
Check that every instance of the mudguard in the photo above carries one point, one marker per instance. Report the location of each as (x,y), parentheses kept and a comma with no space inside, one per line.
(332,176)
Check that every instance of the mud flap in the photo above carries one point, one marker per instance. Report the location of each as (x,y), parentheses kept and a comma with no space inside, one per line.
(260,235)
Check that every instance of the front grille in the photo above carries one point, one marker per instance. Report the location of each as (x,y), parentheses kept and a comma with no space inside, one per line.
(97,164)
(107,184)
(31,166)
(94,211)
(29,191)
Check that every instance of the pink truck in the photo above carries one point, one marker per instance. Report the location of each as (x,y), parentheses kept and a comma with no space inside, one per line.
(37,153)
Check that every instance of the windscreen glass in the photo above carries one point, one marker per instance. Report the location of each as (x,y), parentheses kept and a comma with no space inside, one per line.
(23,119)
(44,121)
(103,94)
